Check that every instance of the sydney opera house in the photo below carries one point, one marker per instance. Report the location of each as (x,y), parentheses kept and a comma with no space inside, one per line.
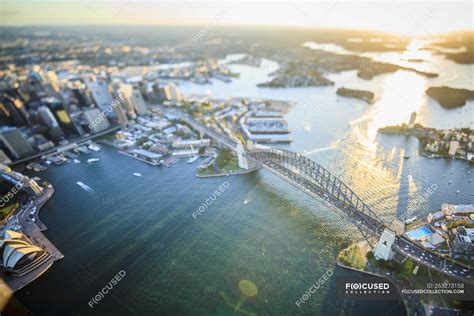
(18,254)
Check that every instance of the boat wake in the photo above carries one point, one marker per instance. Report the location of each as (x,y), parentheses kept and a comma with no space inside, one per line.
(85,187)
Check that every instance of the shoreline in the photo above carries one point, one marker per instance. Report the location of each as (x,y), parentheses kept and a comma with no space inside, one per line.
(34,231)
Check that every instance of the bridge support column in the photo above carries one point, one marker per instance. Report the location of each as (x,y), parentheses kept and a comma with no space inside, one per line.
(243,162)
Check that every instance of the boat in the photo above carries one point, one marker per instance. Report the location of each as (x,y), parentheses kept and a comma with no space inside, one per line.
(37,178)
(94,147)
(91,160)
(137,174)
(57,160)
(457,192)
(406,157)
(411,220)
(84,186)
(76,161)
(449,182)
(193,159)
(82,150)
(246,201)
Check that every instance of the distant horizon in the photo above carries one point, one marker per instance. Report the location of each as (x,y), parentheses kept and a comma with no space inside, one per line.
(410,19)
(233,26)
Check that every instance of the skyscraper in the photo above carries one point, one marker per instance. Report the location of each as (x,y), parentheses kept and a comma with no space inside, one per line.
(133,99)
(101,96)
(16,144)
(96,121)
(62,116)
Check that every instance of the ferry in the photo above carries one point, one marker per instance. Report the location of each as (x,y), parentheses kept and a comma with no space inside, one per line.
(91,160)
(84,186)
(137,174)
(193,159)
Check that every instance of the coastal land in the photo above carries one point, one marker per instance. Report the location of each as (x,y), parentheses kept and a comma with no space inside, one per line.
(438,143)
(364,95)
(450,98)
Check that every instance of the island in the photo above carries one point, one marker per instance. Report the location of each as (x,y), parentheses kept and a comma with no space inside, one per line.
(450,98)
(366,96)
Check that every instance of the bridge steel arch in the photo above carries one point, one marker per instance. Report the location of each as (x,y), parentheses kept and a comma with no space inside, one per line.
(315,180)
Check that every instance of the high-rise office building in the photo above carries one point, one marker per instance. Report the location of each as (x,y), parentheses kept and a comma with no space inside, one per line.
(82,99)
(172,92)
(47,117)
(96,121)
(133,99)
(15,142)
(101,96)
(62,116)
(14,111)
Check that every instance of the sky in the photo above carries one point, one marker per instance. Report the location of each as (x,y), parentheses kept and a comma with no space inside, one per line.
(402,17)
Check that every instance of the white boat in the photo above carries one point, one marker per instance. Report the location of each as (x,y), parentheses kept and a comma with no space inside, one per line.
(193,159)
(76,161)
(449,182)
(457,192)
(246,201)
(91,160)
(411,220)
(84,186)
(94,147)
(137,174)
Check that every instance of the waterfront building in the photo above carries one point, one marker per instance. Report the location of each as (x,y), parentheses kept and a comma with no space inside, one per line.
(18,252)
(47,117)
(196,143)
(15,142)
(453,147)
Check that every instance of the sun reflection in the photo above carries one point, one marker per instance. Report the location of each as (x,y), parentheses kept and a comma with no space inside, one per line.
(403,93)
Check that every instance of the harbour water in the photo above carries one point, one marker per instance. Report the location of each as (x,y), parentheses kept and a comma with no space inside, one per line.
(280,240)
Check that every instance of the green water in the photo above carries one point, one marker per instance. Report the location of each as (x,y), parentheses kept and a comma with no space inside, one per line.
(281,241)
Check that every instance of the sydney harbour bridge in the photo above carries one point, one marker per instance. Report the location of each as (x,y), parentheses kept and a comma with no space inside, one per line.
(317,182)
